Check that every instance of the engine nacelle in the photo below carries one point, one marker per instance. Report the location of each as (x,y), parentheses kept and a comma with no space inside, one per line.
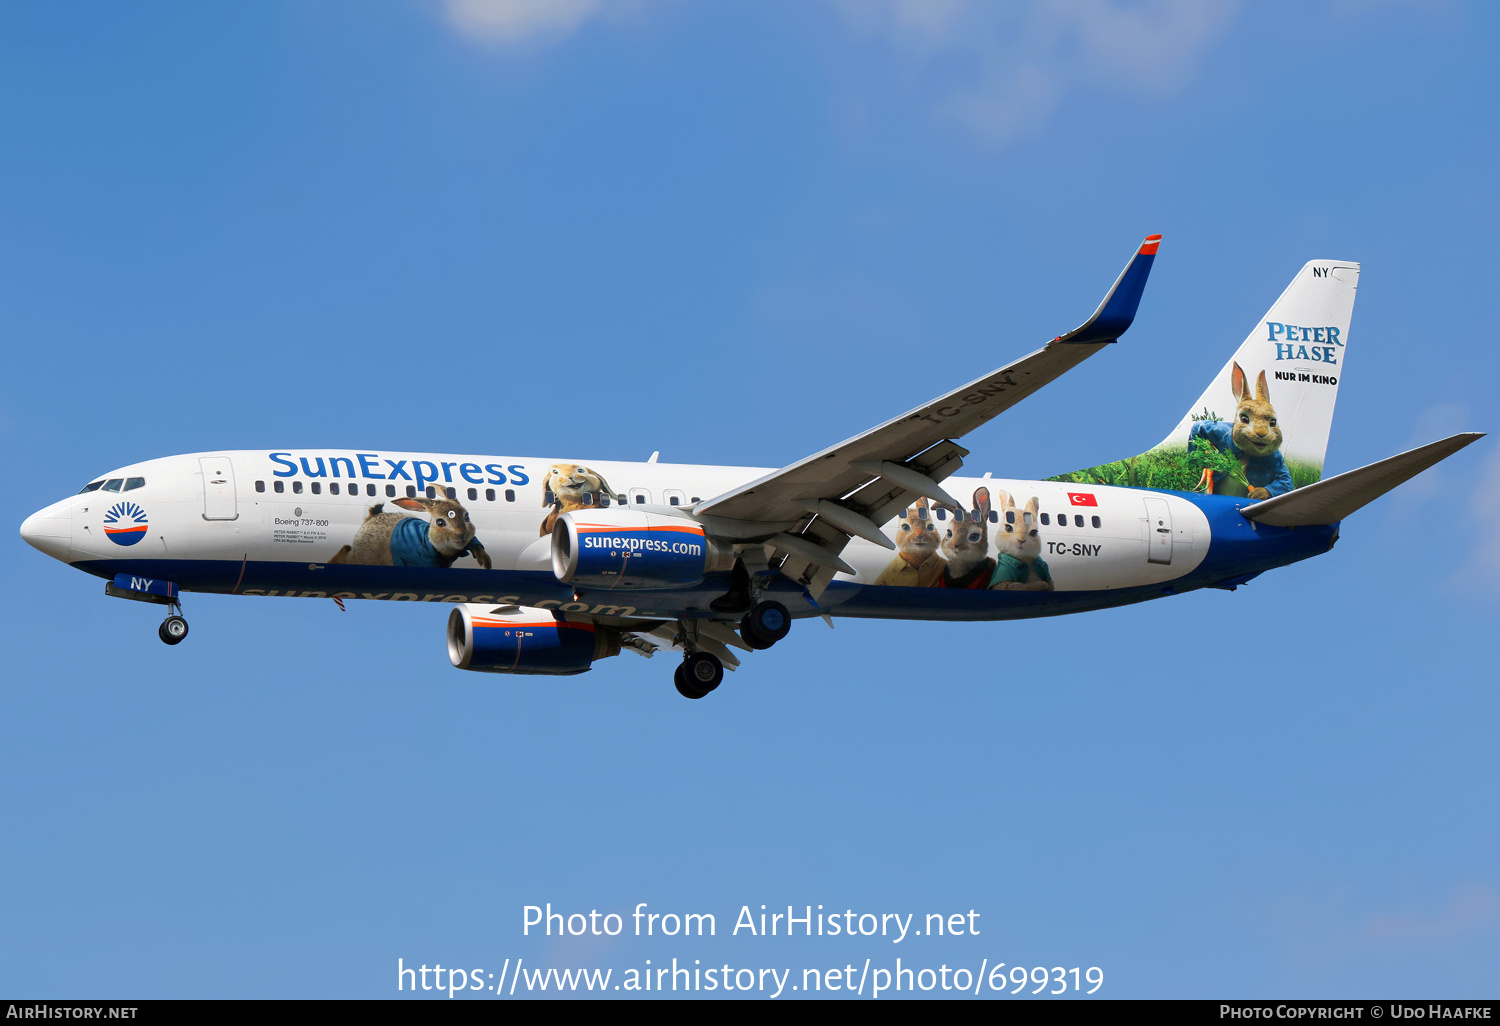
(631,548)
(525,640)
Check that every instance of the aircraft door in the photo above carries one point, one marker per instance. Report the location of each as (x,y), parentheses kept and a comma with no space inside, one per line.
(1158,531)
(218,488)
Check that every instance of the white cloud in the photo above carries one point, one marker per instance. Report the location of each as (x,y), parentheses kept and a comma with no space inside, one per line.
(512,21)
(1486,506)
(1468,910)
(1018,60)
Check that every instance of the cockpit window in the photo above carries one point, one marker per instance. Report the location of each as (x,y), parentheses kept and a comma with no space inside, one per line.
(132,483)
(92,486)
(113,484)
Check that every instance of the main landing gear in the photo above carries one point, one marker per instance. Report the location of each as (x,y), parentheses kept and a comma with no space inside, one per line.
(766,623)
(701,671)
(699,674)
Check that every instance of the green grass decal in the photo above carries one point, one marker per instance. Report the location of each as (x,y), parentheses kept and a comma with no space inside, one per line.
(1175,469)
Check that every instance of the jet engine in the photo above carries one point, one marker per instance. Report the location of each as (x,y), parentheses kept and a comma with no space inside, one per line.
(525,640)
(629,548)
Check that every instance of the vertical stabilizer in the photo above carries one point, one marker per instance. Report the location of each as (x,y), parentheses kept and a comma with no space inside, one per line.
(1261,426)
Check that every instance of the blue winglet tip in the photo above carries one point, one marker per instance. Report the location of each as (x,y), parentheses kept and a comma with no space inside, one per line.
(1117,311)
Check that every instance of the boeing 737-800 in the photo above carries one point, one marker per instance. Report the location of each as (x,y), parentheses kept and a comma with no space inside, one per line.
(552,564)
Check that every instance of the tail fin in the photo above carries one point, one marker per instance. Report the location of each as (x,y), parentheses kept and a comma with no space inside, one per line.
(1264,443)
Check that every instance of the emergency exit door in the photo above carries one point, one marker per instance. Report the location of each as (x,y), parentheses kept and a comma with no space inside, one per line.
(218,488)
(1158,531)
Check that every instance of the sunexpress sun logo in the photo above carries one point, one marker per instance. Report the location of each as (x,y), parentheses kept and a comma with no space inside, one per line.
(125,523)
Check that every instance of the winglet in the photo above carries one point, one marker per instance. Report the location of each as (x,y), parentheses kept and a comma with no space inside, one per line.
(1117,311)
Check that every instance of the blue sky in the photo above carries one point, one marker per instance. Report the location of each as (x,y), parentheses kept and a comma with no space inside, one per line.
(735,233)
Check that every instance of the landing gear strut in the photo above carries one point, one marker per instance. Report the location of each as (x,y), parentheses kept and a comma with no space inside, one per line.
(699,674)
(766,623)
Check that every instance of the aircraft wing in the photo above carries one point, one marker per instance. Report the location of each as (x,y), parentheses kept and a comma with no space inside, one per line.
(851,488)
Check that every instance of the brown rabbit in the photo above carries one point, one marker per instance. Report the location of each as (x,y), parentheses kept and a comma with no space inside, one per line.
(967,546)
(917,563)
(1018,563)
(571,487)
(1254,439)
(395,539)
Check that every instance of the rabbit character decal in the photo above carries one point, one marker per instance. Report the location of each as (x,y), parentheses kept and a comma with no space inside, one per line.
(966,544)
(1254,439)
(395,539)
(567,487)
(1018,563)
(917,563)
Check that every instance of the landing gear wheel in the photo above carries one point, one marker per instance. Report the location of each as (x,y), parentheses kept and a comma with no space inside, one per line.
(173,629)
(685,689)
(766,623)
(702,671)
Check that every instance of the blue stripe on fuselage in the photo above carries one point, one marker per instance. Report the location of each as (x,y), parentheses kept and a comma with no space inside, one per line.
(1238,549)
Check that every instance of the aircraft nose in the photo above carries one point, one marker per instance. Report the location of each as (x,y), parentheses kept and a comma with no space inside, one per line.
(50,530)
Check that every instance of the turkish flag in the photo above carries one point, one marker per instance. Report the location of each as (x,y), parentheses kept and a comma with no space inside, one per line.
(1082,499)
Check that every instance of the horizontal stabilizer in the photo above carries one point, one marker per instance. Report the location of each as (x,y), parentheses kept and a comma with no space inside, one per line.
(1334,498)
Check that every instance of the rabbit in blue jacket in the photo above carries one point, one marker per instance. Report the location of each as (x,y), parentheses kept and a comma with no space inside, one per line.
(1254,440)
(395,539)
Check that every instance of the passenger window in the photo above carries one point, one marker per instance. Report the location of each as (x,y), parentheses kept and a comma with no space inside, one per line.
(317,488)
(695,500)
(333,489)
(411,491)
(489,495)
(390,491)
(674,500)
(603,501)
(473,494)
(641,497)
(113,484)
(452,493)
(278,486)
(673,497)
(92,486)
(260,486)
(1046,521)
(1077,519)
(620,499)
(510,495)
(369,489)
(942,514)
(132,483)
(994,516)
(1010,516)
(296,487)
(1062,520)
(1097,523)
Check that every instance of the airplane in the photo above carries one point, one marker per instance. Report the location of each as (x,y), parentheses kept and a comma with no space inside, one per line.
(553,564)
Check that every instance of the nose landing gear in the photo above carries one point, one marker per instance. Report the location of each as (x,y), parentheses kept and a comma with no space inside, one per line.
(173,629)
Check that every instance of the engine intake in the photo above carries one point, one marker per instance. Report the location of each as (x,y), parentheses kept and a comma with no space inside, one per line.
(525,640)
(628,548)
